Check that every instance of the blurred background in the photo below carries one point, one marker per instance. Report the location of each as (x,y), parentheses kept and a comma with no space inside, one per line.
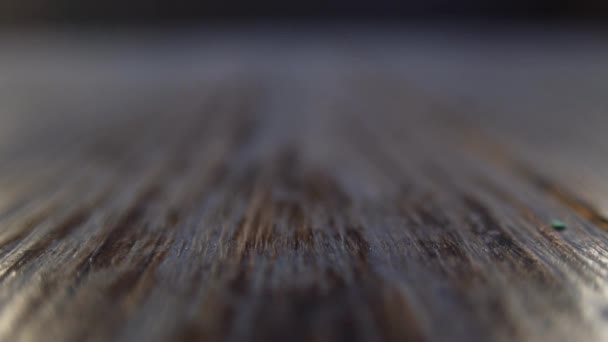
(27,13)
(86,62)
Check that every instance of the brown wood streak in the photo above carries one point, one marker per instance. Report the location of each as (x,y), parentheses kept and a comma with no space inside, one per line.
(237,219)
(499,154)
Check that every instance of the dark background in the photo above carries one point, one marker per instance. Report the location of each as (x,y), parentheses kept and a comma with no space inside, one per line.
(189,12)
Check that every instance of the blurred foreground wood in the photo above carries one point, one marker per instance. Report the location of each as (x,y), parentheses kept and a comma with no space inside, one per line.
(194,192)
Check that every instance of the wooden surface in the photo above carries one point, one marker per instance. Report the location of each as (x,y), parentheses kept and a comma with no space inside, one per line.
(220,187)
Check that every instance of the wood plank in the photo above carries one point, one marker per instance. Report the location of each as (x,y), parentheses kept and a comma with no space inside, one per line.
(325,191)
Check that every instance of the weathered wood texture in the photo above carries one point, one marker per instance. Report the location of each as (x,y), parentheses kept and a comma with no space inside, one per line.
(326,191)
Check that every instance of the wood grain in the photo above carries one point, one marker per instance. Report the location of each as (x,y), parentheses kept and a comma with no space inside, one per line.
(326,192)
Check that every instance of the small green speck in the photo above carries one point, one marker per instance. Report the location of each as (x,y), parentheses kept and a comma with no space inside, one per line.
(558,225)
